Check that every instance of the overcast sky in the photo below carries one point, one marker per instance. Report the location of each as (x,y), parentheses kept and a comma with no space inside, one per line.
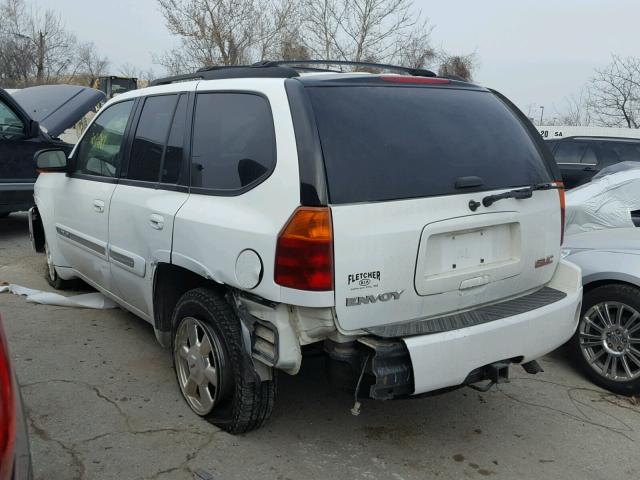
(535,52)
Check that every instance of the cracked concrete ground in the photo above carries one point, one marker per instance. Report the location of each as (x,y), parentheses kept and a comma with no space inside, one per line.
(103,404)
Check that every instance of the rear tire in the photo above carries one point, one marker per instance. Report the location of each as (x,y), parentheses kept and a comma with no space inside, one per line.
(52,275)
(214,372)
(606,345)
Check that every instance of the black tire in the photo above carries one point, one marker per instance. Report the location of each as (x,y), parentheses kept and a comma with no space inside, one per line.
(243,402)
(52,276)
(613,294)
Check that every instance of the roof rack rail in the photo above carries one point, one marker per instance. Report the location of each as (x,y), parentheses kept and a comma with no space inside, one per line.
(281,69)
(304,65)
(230,71)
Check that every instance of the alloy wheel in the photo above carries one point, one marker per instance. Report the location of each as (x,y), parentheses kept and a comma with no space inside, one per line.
(198,360)
(50,266)
(609,334)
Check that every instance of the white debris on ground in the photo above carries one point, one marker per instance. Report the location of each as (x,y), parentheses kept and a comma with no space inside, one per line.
(93,300)
(605,202)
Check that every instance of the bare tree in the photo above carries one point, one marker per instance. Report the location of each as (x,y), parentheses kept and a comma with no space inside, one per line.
(128,70)
(223,32)
(367,30)
(457,66)
(416,51)
(321,26)
(55,48)
(233,32)
(36,48)
(16,53)
(90,64)
(614,93)
(577,111)
(276,30)
(144,77)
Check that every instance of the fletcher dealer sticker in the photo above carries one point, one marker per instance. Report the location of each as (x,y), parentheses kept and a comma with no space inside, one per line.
(358,281)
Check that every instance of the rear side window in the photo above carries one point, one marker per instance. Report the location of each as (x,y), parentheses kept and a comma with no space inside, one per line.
(571,151)
(385,143)
(233,141)
(150,138)
(615,152)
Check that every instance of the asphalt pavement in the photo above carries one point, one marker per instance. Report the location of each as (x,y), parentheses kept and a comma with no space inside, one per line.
(103,403)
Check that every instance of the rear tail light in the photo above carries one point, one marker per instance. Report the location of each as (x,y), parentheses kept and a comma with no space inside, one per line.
(7,410)
(562,210)
(304,252)
(412,79)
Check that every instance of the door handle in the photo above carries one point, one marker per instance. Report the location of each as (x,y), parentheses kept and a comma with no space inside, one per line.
(156,221)
(589,169)
(98,206)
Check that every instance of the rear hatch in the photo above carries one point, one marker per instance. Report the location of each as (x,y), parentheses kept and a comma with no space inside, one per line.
(407,245)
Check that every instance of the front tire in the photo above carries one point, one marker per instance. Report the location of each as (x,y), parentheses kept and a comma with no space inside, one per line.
(52,275)
(606,344)
(214,372)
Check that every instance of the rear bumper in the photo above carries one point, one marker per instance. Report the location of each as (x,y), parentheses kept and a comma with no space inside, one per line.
(446,359)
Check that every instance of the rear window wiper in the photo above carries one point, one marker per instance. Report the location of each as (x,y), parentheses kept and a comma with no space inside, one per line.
(519,193)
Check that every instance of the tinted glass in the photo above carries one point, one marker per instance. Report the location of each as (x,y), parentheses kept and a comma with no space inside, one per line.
(173,154)
(10,125)
(614,152)
(233,141)
(589,156)
(100,150)
(122,85)
(384,143)
(151,136)
(571,151)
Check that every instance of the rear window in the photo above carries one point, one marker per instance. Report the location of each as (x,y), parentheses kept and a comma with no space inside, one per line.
(386,143)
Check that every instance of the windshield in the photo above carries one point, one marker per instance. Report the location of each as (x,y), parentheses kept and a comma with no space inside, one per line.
(122,85)
(385,143)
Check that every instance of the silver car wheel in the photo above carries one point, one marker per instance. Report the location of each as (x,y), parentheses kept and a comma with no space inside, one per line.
(198,362)
(609,334)
(50,266)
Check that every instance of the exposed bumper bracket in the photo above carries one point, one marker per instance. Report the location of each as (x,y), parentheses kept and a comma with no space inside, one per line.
(496,373)
(391,367)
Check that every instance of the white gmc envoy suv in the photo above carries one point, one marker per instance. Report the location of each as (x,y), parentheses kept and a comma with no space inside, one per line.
(407,225)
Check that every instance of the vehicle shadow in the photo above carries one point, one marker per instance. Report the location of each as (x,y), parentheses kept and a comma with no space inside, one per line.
(14,226)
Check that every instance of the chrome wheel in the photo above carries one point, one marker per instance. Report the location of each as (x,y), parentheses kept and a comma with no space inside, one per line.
(609,336)
(51,269)
(198,360)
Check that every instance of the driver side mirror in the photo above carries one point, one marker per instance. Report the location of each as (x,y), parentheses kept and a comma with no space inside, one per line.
(51,160)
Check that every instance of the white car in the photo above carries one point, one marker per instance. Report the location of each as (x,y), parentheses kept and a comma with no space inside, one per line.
(253,211)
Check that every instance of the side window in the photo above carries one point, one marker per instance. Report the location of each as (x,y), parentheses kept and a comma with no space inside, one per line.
(100,150)
(589,156)
(551,144)
(622,151)
(571,151)
(173,154)
(150,138)
(11,127)
(233,142)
